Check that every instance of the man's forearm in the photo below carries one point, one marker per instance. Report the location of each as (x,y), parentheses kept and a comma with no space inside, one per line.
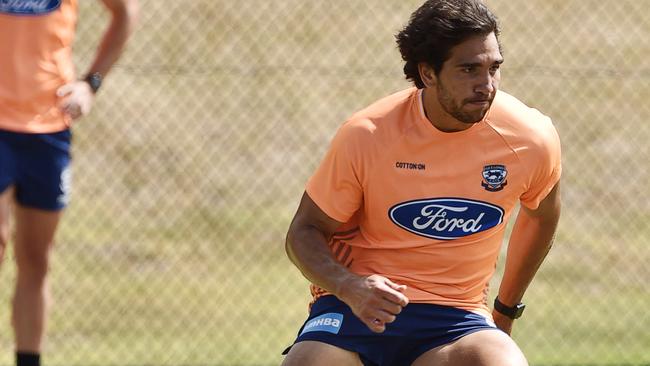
(120,28)
(308,250)
(530,242)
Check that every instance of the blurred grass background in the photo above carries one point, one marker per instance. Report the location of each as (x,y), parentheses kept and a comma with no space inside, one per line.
(195,156)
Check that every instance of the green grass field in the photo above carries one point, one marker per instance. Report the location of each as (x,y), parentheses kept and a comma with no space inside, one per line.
(196,154)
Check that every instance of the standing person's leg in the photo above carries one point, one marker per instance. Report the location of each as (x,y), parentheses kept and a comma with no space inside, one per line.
(34,239)
(41,192)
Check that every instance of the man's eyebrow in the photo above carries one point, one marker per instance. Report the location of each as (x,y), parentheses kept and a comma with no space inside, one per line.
(478,64)
(469,64)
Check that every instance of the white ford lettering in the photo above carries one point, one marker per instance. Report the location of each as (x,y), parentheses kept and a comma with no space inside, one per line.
(435,217)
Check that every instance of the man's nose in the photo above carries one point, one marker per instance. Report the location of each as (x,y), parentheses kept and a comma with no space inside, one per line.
(486,85)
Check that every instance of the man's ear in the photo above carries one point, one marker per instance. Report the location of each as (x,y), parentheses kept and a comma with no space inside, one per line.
(427,75)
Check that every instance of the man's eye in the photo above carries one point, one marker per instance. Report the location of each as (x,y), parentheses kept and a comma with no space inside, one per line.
(467,70)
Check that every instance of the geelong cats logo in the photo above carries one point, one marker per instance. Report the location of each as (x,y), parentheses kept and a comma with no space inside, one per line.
(494,177)
(446,218)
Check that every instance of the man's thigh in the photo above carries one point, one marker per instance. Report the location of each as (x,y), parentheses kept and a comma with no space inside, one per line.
(310,353)
(481,348)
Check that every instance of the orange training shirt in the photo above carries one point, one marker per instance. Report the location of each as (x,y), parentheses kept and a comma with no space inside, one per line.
(36,40)
(426,208)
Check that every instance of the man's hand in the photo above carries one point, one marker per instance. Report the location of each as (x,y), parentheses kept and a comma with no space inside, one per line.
(76,98)
(502,322)
(375,300)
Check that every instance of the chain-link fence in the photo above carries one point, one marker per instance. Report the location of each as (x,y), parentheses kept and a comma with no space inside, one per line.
(193,161)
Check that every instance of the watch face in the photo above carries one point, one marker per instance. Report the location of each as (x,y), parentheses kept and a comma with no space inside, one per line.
(94,80)
(519,309)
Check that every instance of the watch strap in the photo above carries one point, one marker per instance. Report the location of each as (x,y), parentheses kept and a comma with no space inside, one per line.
(512,312)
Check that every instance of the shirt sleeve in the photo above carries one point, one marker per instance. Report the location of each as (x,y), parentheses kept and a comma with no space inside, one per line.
(336,186)
(545,165)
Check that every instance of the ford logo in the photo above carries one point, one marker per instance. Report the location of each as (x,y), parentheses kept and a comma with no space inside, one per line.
(446,218)
(28,7)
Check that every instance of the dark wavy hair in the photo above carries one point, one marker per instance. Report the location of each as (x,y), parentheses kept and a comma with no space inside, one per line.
(438,26)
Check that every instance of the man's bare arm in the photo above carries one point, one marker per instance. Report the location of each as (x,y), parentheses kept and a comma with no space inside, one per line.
(374,299)
(124,14)
(77,97)
(530,242)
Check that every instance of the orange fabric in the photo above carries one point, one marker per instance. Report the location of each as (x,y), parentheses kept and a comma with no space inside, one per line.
(388,162)
(36,60)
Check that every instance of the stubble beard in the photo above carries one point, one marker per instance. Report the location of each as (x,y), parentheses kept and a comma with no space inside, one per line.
(455,109)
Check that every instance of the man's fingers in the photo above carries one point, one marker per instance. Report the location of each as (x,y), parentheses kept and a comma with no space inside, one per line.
(382,304)
(383,317)
(376,326)
(65,107)
(64,90)
(75,99)
(391,307)
(389,290)
(71,109)
(395,297)
(377,322)
(395,286)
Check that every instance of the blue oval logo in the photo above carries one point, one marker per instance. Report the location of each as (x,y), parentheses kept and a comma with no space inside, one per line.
(446,218)
(29,7)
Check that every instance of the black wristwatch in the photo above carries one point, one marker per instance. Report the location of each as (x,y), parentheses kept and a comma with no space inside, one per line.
(94,80)
(512,312)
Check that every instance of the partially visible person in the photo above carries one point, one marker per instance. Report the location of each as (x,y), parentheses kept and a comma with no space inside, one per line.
(40,98)
(400,227)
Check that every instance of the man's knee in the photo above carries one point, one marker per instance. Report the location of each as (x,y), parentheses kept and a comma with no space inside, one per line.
(34,239)
(33,266)
(32,262)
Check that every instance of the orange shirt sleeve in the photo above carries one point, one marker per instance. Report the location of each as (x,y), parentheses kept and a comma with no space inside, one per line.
(545,165)
(336,186)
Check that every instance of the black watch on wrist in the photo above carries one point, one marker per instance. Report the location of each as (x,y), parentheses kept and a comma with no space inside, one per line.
(94,80)
(512,312)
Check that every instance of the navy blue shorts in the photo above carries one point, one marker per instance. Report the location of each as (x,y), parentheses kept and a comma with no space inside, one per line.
(417,329)
(37,165)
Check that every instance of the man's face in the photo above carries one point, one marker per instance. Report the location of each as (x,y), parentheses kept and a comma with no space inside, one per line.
(469,79)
